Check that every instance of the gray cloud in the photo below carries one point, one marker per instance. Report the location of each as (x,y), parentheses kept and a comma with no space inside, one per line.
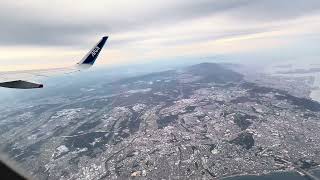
(262,10)
(32,26)
(41,29)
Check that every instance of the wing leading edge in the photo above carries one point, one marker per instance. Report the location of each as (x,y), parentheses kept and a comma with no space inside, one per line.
(87,61)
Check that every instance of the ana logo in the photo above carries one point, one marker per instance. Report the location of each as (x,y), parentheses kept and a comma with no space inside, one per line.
(95,51)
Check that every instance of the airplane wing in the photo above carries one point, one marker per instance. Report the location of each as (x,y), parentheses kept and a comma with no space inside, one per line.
(19,79)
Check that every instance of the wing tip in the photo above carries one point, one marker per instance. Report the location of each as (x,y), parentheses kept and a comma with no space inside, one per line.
(92,55)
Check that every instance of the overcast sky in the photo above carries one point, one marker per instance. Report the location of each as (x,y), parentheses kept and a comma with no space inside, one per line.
(40,33)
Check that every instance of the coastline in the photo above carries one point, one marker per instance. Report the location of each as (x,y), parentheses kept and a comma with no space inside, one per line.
(276,175)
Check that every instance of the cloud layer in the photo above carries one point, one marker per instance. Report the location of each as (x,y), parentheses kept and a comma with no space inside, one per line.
(67,22)
(138,26)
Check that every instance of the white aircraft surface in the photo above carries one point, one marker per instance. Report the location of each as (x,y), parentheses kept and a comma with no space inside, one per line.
(20,79)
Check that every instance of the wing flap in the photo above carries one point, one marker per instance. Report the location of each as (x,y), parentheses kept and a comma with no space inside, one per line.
(19,84)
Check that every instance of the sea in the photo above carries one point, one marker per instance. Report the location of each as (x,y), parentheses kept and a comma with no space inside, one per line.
(276,176)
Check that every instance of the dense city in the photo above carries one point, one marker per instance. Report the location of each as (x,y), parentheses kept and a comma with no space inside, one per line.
(204,121)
